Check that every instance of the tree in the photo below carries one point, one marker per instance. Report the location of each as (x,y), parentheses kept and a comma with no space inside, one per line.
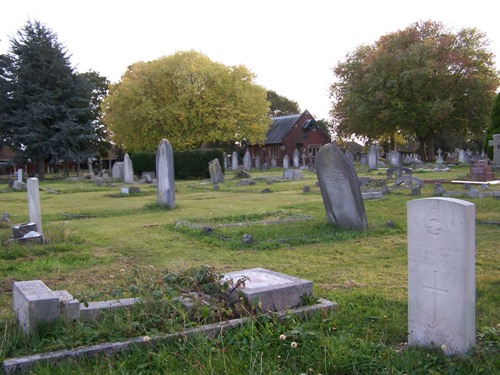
(280,105)
(188,99)
(494,127)
(48,106)
(418,82)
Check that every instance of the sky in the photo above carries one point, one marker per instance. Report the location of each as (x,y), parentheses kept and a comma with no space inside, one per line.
(291,46)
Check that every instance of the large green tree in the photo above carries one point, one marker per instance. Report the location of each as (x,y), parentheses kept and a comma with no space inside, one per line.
(188,99)
(494,127)
(49,108)
(418,82)
(280,105)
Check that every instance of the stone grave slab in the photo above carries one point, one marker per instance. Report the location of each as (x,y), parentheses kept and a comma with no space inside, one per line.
(34,303)
(276,291)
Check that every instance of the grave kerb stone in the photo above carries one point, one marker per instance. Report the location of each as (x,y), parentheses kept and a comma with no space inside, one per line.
(441,274)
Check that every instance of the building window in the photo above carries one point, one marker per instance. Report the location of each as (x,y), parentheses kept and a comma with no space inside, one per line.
(274,152)
(312,150)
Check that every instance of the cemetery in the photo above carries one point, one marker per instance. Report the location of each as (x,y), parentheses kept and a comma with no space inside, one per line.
(371,269)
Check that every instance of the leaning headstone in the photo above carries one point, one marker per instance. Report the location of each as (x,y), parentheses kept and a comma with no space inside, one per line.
(128,170)
(215,170)
(34,203)
(247,161)
(340,189)
(234,161)
(495,143)
(441,274)
(117,170)
(296,157)
(165,174)
(286,162)
(373,157)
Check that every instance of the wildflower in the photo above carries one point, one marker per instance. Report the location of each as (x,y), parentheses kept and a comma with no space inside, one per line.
(122,270)
(443,347)
(111,277)
(293,344)
(151,266)
(146,338)
(282,337)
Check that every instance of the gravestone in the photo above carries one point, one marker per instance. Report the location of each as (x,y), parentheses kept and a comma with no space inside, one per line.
(441,274)
(274,163)
(19,175)
(234,161)
(34,203)
(215,170)
(247,161)
(224,154)
(117,170)
(257,162)
(340,189)
(439,157)
(349,156)
(165,174)
(395,158)
(296,157)
(286,162)
(128,170)
(363,159)
(89,163)
(481,171)
(373,157)
(495,143)
(275,291)
(462,156)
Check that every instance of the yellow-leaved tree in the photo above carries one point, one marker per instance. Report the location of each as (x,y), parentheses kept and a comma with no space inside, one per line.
(188,99)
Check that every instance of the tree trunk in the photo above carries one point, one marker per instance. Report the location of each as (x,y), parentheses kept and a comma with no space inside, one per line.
(426,148)
(41,169)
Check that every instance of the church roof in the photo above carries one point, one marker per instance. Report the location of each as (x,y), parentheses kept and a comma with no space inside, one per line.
(280,127)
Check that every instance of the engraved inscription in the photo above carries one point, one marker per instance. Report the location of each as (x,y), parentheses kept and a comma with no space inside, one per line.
(433,224)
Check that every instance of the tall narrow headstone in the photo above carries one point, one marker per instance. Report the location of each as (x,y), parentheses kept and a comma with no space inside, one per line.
(225,160)
(296,158)
(165,174)
(247,161)
(234,161)
(128,170)
(439,157)
(89,163)
(286,162)
(34,203)
(19,175)
(462,156)
(441,274)
(340,189)
(373,157)
(257,162)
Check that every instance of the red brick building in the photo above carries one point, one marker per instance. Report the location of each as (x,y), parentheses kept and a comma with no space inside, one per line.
(288,133)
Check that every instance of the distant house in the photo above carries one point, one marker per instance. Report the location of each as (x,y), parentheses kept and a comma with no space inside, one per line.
(287,133)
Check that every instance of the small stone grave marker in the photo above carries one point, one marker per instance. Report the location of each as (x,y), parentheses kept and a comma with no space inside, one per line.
(441,274)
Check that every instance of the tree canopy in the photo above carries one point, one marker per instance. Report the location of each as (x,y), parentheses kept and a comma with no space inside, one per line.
(188,99)
(280,105)
(494,127)
(49,109)
(418,82)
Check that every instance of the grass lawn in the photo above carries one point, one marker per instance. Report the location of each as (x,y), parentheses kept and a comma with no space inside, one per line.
(102,242)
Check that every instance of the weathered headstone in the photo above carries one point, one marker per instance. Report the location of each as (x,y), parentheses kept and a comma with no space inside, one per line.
(234,161)
(117,170)
(34,203)
(215,170)
(286,162)
(441,274)
(363,159)
(247,161)
(274,163)
(128,170)
(296,157)
(439,157)
(395,158)
(340,189)
(495,143)
(225,160)
(20,175)
(257,162)
(462,157)
(349,156)
(165,174)
(373,157)
(89,163)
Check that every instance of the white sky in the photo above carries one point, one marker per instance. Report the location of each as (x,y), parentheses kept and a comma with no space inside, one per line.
(290,45)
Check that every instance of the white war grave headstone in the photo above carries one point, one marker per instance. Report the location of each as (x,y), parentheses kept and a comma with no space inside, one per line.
(165,174)
(128,170)
(441,274)
(495,143)
(286,162)
(340,189)
(234,161)
(34,203)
